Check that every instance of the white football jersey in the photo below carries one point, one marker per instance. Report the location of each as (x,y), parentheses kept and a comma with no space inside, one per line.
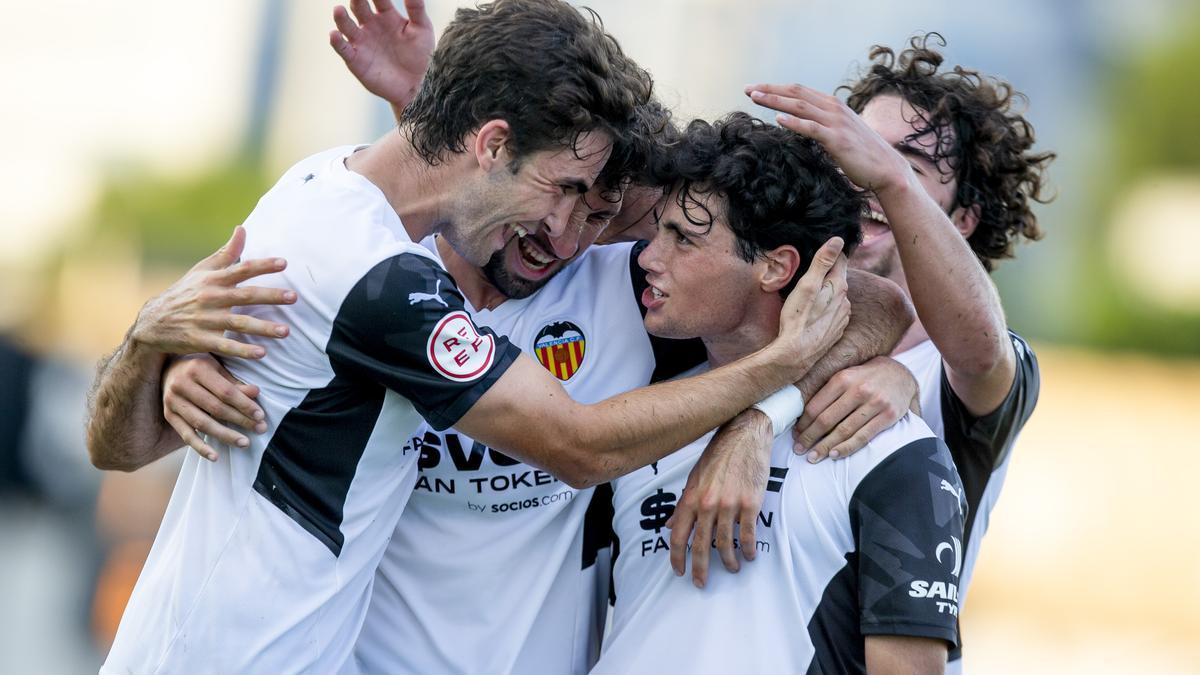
(264,560)
(496,566)
(981,446)
(845,549)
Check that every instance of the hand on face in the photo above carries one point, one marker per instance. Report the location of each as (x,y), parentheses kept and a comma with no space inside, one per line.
(816,311)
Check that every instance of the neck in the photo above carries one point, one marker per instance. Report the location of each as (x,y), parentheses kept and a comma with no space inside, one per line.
(470,279)
(759,325)
(412,187)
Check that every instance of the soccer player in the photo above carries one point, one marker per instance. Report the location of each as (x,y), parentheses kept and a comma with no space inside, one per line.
(856,559)
(950,164)
(264,559)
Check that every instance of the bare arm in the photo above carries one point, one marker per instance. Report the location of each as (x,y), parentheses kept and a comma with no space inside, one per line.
(903,655)
(955,299)
(385,50)
(125,426)
(528,413)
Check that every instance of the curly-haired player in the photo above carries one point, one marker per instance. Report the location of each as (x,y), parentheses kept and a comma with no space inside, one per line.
(953,177)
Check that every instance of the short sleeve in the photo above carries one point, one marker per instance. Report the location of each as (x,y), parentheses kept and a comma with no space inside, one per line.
(907,518)
(404,326)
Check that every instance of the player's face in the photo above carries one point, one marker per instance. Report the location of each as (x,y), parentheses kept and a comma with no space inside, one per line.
(699,285)
(538,197)
(525,264)
(895,119)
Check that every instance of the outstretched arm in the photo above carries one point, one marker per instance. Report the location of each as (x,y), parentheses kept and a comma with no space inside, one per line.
(528,414)
(386,51)
(955,299)
(125,425)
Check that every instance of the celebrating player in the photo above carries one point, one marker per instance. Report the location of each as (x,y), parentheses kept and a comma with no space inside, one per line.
(264,559)
(953,177)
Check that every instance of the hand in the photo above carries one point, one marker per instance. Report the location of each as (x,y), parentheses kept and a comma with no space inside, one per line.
(199,394)
(816,311)
(725,487)
(853,407)
(192,315)
(867,160)
(387,52)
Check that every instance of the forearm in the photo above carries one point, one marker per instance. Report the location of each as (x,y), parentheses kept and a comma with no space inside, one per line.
(879,317)
(631,430)
(955,299)
(904,655)
(125,426)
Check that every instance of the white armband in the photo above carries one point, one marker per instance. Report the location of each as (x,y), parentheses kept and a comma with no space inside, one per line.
(783,408)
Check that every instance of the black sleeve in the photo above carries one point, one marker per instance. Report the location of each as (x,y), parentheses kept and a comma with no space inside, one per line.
(907,520)
(404,326)
(671,357)
(980,444)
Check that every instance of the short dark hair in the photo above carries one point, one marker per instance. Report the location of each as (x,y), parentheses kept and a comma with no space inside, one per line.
(542,66)
(988,147)
(775,187)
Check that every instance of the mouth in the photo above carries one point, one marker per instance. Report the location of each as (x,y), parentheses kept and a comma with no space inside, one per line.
(653,297)
(874,225)
(532,259)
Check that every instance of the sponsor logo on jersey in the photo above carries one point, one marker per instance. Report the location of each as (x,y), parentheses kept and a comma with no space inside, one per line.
(560,348)
(457,351)
(943,593)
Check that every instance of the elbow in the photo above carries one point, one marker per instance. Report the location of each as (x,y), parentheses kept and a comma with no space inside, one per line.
(107,458)
(577,463)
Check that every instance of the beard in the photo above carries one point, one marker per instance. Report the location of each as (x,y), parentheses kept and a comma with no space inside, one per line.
(512,287)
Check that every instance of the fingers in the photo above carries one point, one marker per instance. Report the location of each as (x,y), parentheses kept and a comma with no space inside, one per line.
(823,261)
(681,524)
(226,347)
(747,535)
(797,108)
(806,128)
(248,269)
(199,420)
(860,438)
(416,12)
(702,544)
(826,420)
(362,11)
(248,325)
(227,254)
(382,6)
(724,537)
(346,25)
(824,398)
(190,437)
(848,428)
(339,44)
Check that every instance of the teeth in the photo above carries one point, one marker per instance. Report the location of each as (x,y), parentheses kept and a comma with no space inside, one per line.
(539,259)
(521,232)
(654,292)
(877,216)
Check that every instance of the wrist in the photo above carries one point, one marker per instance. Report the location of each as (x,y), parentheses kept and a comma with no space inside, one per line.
(895,183)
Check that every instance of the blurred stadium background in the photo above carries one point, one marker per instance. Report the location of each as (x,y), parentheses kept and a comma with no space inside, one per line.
(138,134)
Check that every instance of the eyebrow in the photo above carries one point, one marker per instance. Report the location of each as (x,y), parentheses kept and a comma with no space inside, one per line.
(577,184)
(909,151)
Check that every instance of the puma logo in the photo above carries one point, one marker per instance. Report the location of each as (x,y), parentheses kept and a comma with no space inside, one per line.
(947,487)
(414,298)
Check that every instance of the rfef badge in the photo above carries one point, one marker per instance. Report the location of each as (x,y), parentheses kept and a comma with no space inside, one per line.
(560,348)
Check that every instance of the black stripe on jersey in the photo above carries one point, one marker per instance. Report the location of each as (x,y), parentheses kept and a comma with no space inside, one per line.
(597,524)
(378,340)
(979,445)
(903,519)
(671,357)
(310,462)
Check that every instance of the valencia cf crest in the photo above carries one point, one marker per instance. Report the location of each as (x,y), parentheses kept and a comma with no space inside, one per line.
(560,348)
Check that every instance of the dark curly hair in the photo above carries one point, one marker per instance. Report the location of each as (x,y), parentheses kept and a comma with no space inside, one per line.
(543,66)
(983,140)
(774,187)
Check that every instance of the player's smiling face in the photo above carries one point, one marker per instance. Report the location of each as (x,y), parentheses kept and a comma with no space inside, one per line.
(699,285)
(895,120)
(538,197)
(525,264)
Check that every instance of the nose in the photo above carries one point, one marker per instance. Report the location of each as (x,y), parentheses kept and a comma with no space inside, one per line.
(567,244)
(650,258)
(558,218)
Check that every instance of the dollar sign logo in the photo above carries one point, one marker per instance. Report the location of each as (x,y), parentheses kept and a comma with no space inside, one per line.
(657,508)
